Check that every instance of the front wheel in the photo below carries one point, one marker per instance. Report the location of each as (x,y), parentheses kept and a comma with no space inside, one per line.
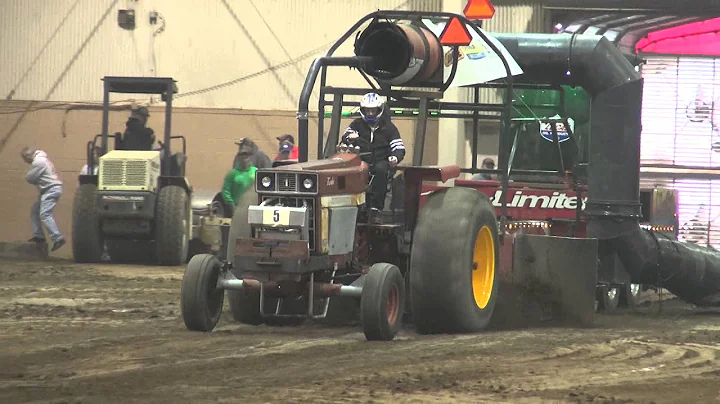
(201,301)
(382,302)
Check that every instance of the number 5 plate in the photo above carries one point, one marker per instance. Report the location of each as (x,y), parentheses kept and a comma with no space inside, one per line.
(281,216)
(276,217)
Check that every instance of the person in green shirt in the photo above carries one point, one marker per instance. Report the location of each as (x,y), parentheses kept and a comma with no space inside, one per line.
(241,177)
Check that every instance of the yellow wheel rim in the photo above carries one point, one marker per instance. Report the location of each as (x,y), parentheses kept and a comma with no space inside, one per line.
(483,274)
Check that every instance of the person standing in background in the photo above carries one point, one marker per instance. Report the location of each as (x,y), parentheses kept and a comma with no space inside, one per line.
(241,177)
(258,158)
(487,164)
(286,148)
(284,152)
(42,174)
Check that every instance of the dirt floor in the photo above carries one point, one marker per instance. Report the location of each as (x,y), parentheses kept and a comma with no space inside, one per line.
(75,333)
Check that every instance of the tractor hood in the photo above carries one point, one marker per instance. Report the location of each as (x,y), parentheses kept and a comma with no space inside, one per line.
(338,161)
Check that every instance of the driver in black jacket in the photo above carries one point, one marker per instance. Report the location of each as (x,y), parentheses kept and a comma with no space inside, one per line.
(138,136)
(374,133)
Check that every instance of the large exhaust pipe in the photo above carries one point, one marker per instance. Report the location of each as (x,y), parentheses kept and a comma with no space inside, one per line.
(402,54)
(613,209)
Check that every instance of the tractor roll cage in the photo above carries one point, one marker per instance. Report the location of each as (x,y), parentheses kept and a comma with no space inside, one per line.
(423,102)
(163,86)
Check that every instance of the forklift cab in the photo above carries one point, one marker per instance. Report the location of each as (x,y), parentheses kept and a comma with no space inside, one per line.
(171,164)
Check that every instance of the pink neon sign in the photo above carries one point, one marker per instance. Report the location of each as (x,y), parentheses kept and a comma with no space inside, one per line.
(698,38)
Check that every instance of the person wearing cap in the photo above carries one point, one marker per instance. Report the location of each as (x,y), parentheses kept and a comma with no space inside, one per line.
(284,152)
(258,158)
(283,141)
(487,164)
(241,177)
(138,136)
(42,174)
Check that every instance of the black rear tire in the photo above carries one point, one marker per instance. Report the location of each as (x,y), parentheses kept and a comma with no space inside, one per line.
(171,226)
(201,302)
(382,303)
(87,238)
(453,280)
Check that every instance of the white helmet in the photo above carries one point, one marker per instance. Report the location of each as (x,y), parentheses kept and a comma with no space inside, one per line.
(372,107)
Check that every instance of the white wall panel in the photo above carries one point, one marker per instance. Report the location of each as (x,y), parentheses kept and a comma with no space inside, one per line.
(262,55)
(680,127)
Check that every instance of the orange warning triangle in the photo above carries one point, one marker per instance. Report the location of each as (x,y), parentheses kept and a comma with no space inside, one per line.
(455,34)
(479,10)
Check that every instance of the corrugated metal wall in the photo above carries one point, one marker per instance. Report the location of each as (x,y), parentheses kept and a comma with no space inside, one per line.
(224,53)
(521,17)
(425,5)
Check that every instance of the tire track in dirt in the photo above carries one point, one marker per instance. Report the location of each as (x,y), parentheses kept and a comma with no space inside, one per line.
(109,358)
(133,346)
(620,361)
(199,353)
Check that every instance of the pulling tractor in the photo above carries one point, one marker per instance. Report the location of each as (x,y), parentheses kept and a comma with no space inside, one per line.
(139,205)
(298,241)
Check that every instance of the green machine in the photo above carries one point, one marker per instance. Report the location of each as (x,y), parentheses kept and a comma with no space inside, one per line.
(548,121)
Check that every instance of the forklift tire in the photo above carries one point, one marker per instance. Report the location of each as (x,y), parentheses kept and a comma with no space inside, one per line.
(201,302)
(171,226)
(382,302)
(87,239)
(453,262)
(630,295)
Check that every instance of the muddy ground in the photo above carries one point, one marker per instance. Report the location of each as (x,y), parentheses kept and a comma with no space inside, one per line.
(75,333)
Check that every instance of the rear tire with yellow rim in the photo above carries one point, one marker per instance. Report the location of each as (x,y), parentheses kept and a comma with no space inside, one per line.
(454,262)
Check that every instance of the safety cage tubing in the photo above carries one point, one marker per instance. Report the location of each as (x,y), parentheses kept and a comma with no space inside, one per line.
(425,102)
